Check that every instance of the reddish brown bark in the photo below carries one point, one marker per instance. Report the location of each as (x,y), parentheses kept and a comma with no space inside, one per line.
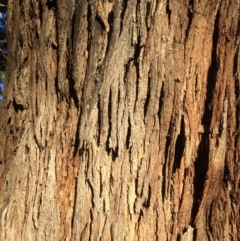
(121,121)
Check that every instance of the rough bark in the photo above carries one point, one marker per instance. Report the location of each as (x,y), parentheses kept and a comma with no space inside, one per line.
(120,121)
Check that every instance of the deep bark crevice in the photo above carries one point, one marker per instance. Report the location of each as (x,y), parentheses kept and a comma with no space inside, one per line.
(161,98)
(9,120)
(41,12)
(101,186)
(73,92)
(17,107)
(140,217)
(227,174)
(201,167)
(110,32)
(211,79)
(190,15)
(56,85)
(89,28)
(146,203)
(114,153)
(136,185)
(124,7)
(51,4)
(111,23)
(237,92)
(194,234)
(71,81)
(99,122)
(108,147)
(156,227)
(75,25)
(169,12)
(178,237)
(148,95)
(74,203)
(77,140)
(128,134)
(91,224)
(148,13)
(137,50)
(179,146)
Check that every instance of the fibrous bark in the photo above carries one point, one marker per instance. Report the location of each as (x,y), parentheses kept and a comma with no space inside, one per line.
(121,121)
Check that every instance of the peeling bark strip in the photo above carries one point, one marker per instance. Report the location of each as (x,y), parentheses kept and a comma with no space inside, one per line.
(120,121)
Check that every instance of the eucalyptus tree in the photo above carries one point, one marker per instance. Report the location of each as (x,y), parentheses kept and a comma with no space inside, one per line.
(120,121)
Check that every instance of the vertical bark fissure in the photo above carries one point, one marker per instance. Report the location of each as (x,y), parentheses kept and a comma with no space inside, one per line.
(169,12)
(236,63)
(201,167)
(74,207)
(202,160)
(179,146)
(161,98)
(212,74)
(110,39)
(77,141)
(168,166)
(190,15)
(99,123)
(164,169)
(148,95)
(108,148)
(122,15)
(136,55)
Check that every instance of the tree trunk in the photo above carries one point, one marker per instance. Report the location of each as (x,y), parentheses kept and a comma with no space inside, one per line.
(120,121)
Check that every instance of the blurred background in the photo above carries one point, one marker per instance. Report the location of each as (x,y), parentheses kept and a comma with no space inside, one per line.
(3,44)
